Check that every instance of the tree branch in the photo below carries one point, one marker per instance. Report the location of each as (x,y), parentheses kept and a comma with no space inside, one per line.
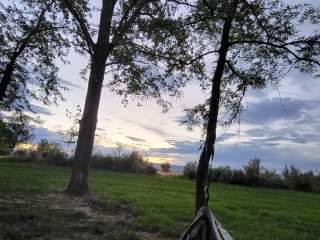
(82,23)
(125,24)
(281,46)
(183,3)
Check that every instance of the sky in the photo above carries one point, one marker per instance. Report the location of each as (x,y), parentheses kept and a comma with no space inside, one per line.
(279,126)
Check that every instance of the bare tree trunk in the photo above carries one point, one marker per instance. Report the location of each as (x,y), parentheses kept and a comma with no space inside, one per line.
(202,182)
(78,183)
(79,180)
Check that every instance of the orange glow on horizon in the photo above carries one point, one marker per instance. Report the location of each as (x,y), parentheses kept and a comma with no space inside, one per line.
(26,146)
(159,159)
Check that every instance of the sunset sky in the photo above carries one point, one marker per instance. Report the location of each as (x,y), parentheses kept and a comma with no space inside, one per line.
(280,126)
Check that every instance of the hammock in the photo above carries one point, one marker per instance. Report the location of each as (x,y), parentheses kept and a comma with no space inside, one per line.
(205,227)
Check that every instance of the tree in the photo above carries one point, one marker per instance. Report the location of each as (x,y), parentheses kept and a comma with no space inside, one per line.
(70,135)
(137,42)
(190,170)
(13,131)
(253,43)
(7,139)
(118,151)
(43,146)
(32,38)
(165,167)
(253,171)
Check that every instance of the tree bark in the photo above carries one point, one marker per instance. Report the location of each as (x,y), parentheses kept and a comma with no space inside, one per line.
(202,181)
(78,183)
(5,80)
(79,179)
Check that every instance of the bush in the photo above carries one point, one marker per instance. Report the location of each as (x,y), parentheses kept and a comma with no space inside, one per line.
(150,169)
(221,174)
(255,175)
(132,162)
(19,159)
(56,157)
(238,177)
(252,171)
(190,170)
(165,167)
(52,153)
(20,153)
(5,150)
(269,178)
(301,181)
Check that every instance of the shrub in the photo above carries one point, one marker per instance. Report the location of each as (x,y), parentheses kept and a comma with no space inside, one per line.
(238,177)
(302,181)
(43,146)
(150,169)
(190,170)
(305,182)
(51,153)
(221,174)
(252,171)
(132,162)
(4,150)
(20,153)
(255,175)
(165,167)
(57,157)
(269,178)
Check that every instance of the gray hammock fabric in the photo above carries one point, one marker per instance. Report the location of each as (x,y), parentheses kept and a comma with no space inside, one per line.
(205,227)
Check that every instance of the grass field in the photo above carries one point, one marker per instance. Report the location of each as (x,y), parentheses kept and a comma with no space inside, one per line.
(165,204)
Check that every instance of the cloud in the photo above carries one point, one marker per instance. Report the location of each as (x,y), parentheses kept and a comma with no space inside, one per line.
(271,136)
(225,136)
(272,156)
(68,84)
(40,110)
(44,133)
(179,147)
(136,139)
(51,136)
(180,119)
(155,129)
(270,110)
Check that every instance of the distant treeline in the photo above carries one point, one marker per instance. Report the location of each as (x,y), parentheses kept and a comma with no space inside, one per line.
(253,174)
(52,153)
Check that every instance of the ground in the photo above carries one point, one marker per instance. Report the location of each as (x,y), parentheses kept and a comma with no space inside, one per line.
(58,216)
(129,206)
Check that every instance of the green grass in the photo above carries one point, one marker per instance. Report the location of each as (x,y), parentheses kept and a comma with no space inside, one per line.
(165,204)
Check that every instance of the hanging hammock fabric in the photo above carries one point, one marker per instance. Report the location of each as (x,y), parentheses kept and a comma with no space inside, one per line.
(205,227)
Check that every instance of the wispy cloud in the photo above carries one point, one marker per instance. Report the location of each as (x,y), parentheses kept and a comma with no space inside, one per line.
(40,110)
(135,139)
(69,84)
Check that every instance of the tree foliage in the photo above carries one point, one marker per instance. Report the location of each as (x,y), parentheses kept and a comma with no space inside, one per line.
(33,37)
(149,55)
(253,45)
(16,129)
(265,43)
(142,45)
(70,135)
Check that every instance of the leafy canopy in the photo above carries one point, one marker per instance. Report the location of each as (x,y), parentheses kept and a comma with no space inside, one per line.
(151,55)
(267,40)
(32,38)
